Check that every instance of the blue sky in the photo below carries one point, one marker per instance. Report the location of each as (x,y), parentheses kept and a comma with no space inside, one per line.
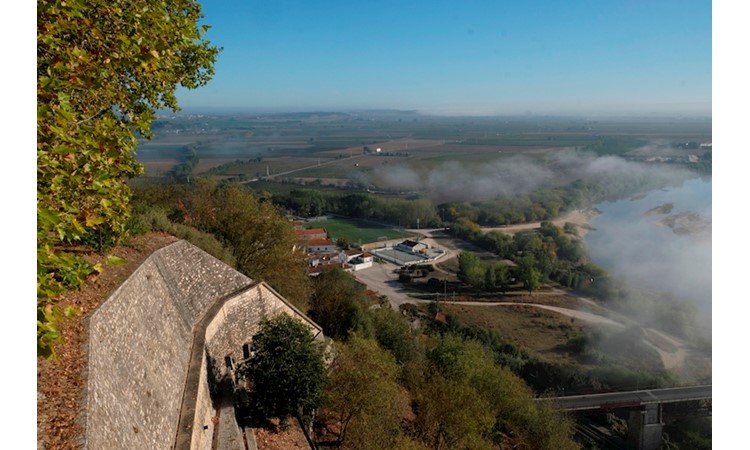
(469,57)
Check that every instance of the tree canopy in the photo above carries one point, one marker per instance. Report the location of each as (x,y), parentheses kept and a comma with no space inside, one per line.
(286,369)
(338,303)
(364,395)
(260,238)
(103,70)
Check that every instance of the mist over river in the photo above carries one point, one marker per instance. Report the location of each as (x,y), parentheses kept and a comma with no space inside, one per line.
(659,241)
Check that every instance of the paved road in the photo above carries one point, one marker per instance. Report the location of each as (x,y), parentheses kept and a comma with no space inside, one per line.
(299,169)
(380,278)
(633,398)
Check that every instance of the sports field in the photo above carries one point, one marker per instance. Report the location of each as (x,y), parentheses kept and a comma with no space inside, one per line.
(357,231)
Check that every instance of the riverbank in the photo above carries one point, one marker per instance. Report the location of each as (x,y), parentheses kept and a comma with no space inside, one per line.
(582,218)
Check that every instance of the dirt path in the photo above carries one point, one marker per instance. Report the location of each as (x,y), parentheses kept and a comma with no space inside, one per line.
(673,352)
(582,315)
(580,217)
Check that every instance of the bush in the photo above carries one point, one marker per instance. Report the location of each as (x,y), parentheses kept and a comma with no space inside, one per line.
(286,369)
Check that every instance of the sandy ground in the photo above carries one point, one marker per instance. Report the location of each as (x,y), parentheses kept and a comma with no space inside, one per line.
(580,217)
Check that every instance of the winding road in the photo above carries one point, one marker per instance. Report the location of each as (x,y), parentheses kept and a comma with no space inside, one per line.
(382,279)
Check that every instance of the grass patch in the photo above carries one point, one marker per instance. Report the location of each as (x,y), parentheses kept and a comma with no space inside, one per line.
(552,337)
(539,331)
(357,231)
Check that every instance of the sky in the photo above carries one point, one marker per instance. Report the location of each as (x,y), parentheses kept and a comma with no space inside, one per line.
(469,57)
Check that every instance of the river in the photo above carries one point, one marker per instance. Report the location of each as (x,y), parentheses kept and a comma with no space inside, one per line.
(636,245)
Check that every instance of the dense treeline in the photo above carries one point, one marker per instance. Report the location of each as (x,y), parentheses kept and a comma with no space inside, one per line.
(184,170)
(397,211)
(547,204)
(547,253)
(536,206)
(539,205)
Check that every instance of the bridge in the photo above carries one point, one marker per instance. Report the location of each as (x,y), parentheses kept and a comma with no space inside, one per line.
(645,420)
(616,400)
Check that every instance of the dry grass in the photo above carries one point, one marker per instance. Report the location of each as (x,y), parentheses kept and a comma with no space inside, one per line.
(274,439)
(539,331)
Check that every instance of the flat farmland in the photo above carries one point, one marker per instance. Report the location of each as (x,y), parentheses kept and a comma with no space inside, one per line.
(350,168)
(457,148)
(159,151)
(419,157)
(157,167)
(272,166)
(397,145)
(424,150)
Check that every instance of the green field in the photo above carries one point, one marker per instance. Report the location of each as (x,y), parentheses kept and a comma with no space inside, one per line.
(357,231)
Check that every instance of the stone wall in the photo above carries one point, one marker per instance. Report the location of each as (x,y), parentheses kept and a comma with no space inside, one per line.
(139,347)
(203,426)
(158,344)
(136,367)
(238,321)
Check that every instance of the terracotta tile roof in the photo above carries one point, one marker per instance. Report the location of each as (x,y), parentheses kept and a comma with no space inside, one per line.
(311,231)
(314,242)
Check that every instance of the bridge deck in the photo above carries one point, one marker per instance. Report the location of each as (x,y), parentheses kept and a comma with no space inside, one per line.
(614,400)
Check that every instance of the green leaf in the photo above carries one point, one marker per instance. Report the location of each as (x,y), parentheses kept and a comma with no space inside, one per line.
(71,311)
(113,260)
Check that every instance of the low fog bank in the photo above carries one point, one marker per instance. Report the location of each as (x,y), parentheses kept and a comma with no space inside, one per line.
(519,174)
(639,249)
(671,272)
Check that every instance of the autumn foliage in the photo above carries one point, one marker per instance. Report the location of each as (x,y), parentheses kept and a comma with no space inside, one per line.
(103,70)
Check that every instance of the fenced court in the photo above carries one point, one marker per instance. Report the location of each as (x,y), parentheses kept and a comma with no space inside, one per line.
(399,257)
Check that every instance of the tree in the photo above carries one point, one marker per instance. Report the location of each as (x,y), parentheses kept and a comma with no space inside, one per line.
(261,240)
(453,412)
(286,369)
(394,334)
(103,69)
(337,304)
(364,396)
(502,277)
(470,269)
(528,274)
(470,401)
(343,242)
(490,281)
